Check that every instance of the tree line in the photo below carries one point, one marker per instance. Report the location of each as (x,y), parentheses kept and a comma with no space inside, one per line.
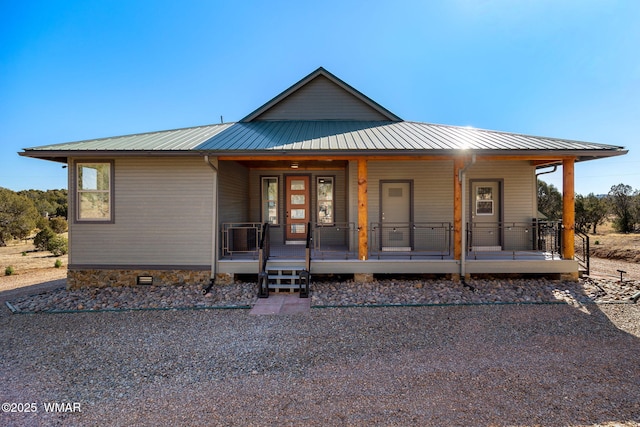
(622,203)
(23,212)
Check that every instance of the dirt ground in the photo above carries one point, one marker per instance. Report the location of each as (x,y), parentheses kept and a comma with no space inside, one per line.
(30,266)
(625,247)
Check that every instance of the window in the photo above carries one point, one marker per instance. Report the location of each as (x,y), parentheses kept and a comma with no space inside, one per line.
(325,200)
(270,200)
(94,185)
(484,201)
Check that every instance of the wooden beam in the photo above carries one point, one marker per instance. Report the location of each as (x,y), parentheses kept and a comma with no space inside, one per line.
(363,243)
(568,209)
(457,209)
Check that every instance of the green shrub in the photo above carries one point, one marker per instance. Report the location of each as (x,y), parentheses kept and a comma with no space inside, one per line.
(58,224)
(58,264)
(9,271)
(24,253)
(41,241)
(58,245)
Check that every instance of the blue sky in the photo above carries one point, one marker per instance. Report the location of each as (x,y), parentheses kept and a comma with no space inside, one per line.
(73,70)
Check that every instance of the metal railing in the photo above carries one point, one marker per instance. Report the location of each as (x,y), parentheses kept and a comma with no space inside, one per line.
(337,240)
(548,236)
(263,256)
(241,238)
(581,253)
(412,239)
(520,239)
(409,240)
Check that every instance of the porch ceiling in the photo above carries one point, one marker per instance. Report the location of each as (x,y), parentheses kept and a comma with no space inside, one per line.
(294,165)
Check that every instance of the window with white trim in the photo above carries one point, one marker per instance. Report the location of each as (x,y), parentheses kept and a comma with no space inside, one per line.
(484,201)
(93,191)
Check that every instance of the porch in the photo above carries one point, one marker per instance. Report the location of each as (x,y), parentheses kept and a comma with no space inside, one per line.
(399,248)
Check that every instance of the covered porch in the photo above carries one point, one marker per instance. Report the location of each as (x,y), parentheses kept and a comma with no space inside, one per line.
(349,234)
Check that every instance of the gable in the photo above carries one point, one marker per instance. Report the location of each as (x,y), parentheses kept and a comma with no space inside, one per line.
(321,96)
(320,99)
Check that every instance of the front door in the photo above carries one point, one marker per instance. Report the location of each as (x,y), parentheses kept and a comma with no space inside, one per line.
(297,205)
(485,214)
(395,215)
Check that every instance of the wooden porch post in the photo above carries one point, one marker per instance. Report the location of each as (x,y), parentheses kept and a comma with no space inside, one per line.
(458,164)
(363,244)
(568,208)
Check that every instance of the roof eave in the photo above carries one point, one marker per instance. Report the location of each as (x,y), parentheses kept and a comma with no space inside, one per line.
(554,156)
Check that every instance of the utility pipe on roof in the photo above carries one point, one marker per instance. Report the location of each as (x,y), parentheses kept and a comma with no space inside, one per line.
(214,219)
(461,179)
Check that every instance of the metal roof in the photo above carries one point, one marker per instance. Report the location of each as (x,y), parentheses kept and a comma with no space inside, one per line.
(318,137)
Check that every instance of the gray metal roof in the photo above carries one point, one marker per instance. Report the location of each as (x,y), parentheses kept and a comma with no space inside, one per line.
(317,137)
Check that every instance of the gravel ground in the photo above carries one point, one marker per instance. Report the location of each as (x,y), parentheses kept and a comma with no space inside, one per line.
(518,364)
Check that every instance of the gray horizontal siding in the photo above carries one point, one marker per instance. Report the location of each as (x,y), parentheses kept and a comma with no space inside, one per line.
(432,188)
(519,187)
(233,184)
(162,208)
(321,99)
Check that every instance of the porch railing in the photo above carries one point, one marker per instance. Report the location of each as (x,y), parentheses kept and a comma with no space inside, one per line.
(241,238)
(408,240)
(337,240)
(581,253)
(263,256)
(412,239)
(520,239)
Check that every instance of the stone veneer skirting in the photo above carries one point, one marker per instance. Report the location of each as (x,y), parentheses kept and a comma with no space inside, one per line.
(97,278)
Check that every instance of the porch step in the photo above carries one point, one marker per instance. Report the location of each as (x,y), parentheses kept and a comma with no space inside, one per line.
(284,276)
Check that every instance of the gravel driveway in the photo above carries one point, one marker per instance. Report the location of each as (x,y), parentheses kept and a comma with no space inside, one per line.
(444,365)
(469,365)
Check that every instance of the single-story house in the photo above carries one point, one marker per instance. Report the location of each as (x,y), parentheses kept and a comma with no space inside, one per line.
(320,178)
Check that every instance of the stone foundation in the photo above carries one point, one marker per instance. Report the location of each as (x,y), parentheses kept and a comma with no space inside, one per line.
(224,278)
(363,277)
(570,277)
(104,278)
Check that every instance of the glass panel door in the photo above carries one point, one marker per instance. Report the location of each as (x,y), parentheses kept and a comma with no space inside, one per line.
(297,209)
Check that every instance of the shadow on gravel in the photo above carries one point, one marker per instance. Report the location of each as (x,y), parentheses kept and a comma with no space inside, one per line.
(516,365)
(9,294)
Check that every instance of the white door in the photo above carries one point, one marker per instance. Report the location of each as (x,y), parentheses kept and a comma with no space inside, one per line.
(485,215)
(395,215)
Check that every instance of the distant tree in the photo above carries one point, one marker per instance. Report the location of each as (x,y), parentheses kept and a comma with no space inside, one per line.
(48,203)
(41,240)
(621,202)
(549,200)
(18,216)
(591,211)
(636,208)
(581,214)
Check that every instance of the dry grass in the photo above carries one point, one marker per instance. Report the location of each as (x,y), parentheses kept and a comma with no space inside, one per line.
(611,245)
(24,258)
(30,267)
